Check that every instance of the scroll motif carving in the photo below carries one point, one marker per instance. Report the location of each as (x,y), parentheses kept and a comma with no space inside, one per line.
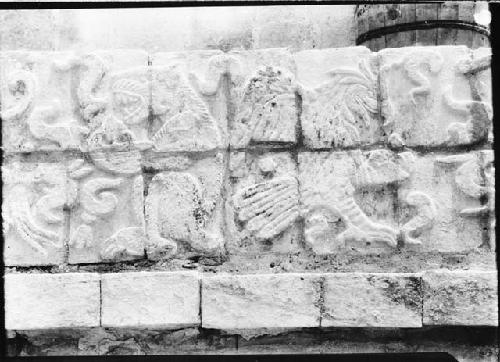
(102,188)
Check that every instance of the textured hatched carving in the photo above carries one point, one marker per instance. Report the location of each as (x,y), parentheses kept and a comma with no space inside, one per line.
(339,97)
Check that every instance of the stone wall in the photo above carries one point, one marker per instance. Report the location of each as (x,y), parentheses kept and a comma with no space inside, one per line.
(249,200)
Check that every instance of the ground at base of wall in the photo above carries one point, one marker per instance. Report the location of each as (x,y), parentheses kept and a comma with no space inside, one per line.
(466,344)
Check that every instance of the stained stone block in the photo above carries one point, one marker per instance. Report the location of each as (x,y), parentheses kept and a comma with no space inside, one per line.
(107,217)
(372,300)
(460,298)
(339,97)
(263,98)
(440,204)
(43,301)
(150,299)
(184,206)
(481,82)
(427,99)
(32,210)
(239,302)
(114,92)
(38,111)
(347,199)
(263,206)
(188,102)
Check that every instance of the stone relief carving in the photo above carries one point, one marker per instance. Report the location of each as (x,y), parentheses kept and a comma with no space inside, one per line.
(37,121)
(333,219)
(266,111)
(334,112)
(32,211)
(182,207)
(102,228)
(187,122)
(472,183)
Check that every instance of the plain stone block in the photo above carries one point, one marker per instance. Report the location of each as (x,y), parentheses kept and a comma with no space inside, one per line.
(466,297)
(263,203)
(339,89)
(372,300)
(233,302)
(427,99)
(44,301)
(38,110)
(150,299)
(347,199)
(188,103)
(107,215)
(34,195)
(443,191)
(184,206)
(263,94)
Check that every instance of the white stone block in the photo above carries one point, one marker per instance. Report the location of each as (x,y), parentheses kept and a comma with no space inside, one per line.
(43,301)
(465,297)
(150,299)
(372,300)
(233,302)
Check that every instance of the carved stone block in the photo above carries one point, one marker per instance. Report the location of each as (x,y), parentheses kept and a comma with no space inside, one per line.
(262,210)
(44,301)
(114,92)
(259,301)
(339,90)
(347,199)
(460,298)
(188,102)
(34,196)
(263,98)
(481,82)
(440,203)
(184,206)
(372,300)
(38,111)
(427,99)
(150,299)
(107,216)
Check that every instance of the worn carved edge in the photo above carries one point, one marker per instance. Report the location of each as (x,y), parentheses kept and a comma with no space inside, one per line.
(465,295)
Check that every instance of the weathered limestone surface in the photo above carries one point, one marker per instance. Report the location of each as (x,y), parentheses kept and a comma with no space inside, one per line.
(34,196)
(264,204)
(42,301)
(107,217)
(427,99)
(466,297)
(150,299)
(339,89)
(38,111)
(239,302)
(372,300)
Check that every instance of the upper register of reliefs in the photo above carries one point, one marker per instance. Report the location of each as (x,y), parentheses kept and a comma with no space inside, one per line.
(430,97)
